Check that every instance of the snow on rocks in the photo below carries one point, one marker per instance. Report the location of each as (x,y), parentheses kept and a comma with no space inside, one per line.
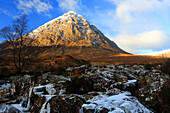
(5,85)
(93,89)
(39,91)
(8,109)
(4,90)
(122,103)
(47,110)
(50,89)
(130,82)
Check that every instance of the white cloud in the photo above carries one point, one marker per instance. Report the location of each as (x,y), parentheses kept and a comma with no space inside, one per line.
(27,6)
(69,4)
(154,40)
(136,16)
(130,10)
(6,12)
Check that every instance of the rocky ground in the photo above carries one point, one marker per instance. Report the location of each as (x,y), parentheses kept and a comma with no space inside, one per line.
(86,89)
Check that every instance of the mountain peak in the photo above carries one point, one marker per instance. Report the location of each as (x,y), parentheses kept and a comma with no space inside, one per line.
(71,29)
(69,14)
(69,17)
(72,13)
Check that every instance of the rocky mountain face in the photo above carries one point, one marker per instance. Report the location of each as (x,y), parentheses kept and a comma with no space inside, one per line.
(70,30)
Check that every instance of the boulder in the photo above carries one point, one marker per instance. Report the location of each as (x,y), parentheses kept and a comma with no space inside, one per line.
(78,85)
(69,104)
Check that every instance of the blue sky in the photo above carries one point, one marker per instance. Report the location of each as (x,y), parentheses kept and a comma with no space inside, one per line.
(137,26)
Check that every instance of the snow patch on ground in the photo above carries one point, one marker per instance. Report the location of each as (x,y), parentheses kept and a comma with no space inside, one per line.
(19,107)
(43,110)
(121,103)
(130,82)
(5,86)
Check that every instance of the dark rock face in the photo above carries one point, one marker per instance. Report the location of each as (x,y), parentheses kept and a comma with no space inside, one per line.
(100,84)
(149,88)
(77,71)
(36,103)
(164,97)
(19,83)
(79,85)
(70,104)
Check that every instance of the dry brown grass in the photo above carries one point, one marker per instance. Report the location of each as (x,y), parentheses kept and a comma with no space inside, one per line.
(129,59)
(43,58)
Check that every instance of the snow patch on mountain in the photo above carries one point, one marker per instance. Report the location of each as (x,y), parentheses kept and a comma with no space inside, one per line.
(65,16)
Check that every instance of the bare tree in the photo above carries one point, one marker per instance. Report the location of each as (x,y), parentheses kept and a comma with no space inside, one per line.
(14,36)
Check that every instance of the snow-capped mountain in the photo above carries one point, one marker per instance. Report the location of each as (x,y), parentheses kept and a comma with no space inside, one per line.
(71,29)
(163,53)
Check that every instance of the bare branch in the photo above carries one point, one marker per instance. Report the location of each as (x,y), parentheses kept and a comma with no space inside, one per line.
(15,37)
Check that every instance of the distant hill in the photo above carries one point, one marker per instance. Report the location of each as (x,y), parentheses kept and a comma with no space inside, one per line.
(163,53)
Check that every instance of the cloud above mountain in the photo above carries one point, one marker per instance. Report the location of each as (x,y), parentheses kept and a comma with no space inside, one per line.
(28,6)
(129,10)
(68,4)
